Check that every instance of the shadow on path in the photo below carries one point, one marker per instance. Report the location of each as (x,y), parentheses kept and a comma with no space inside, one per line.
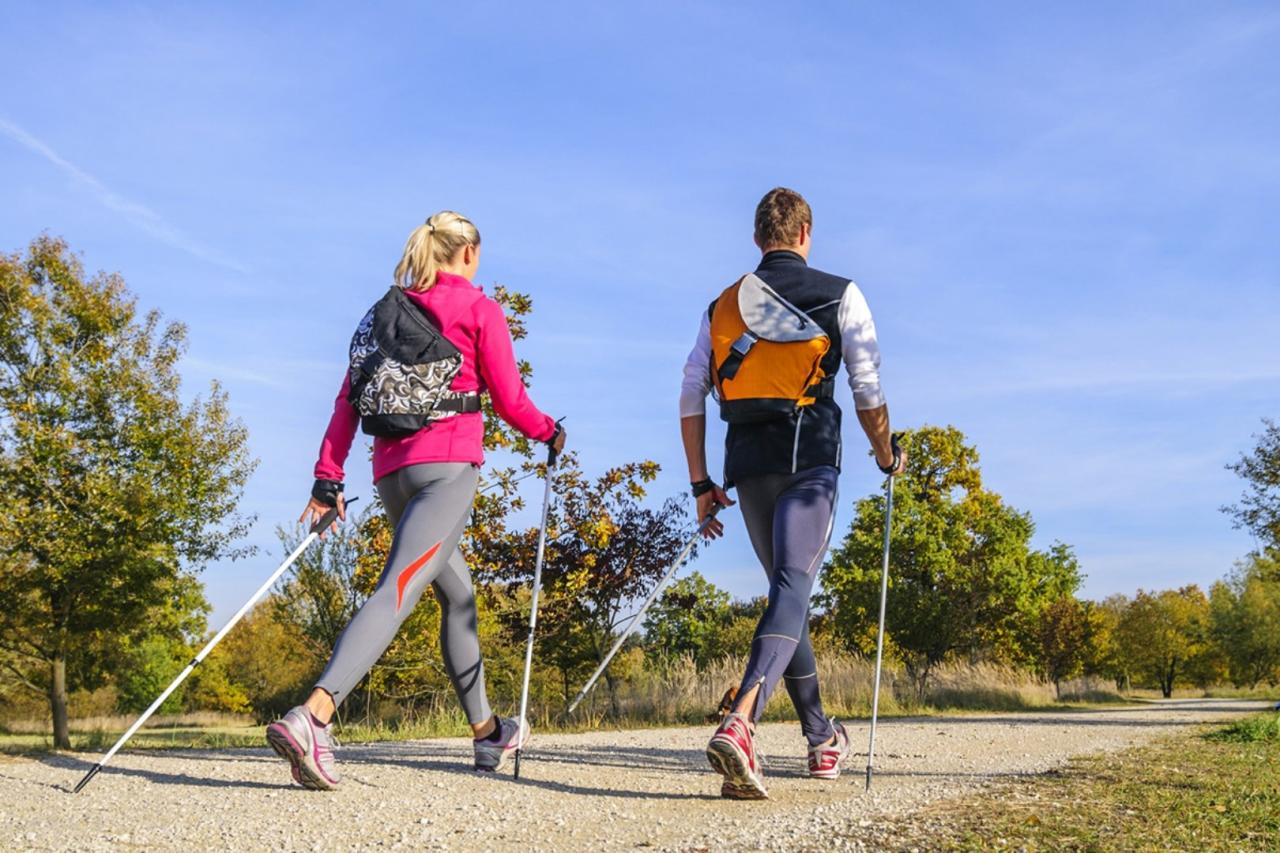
(80,767)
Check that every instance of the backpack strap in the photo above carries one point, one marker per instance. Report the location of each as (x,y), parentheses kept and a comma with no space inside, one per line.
(462,404)
(737,353)
(823,389)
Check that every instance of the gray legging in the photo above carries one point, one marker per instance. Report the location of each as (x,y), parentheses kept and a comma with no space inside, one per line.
(789,519)
(428,506)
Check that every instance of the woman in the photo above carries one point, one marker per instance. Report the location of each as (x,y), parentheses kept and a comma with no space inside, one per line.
(427,481)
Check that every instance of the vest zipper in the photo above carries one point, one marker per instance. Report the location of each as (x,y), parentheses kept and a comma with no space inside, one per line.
(799,315)
(795,447)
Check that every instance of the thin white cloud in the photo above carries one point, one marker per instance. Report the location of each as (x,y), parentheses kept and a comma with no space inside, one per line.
(286,374)
(140,215)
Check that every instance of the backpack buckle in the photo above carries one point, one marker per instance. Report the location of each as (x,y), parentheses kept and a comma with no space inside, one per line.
(744,343)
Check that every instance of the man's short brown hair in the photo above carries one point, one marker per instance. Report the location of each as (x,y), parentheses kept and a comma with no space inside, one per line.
(779,216)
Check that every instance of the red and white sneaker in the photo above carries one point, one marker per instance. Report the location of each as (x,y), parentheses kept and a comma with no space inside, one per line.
(732,752)
(825,758)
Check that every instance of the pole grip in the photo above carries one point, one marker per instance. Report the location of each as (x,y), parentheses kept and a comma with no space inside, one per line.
(328,518)
(552,453)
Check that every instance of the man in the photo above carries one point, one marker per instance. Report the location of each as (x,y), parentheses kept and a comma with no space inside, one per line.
(770,346)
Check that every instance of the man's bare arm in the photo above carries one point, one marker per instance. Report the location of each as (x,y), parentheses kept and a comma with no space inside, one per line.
(693,432)
(875,423)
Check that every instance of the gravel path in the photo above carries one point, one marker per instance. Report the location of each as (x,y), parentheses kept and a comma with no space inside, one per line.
(603,790)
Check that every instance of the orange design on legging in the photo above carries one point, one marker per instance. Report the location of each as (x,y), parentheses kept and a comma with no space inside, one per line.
(406,575)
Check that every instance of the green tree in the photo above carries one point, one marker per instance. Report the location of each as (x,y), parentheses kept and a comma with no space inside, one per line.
(211,688)
(1245,621)
(1103,655)
(151,656)
(269,659)
(114,486)
(149,666)
(689,618)
(1064,639)
(1259,508)
(1162,636)
(605,550)
(962,578)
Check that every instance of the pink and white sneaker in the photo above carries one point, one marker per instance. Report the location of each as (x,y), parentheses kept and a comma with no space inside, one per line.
(825,758)
(732,752)
(308,747)
(491,756)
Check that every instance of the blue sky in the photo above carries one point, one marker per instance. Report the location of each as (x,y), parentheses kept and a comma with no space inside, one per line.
(1064,221)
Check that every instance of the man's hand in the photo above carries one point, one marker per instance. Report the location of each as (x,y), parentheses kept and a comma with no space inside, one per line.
(716,497)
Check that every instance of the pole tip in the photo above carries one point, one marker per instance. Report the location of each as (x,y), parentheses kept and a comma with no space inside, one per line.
(87,777)
(517,770)
(868,777)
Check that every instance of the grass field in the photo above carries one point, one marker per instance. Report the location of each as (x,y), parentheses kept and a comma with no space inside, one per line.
(1214,790)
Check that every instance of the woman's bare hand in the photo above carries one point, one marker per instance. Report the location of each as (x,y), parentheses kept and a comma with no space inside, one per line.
(316,510)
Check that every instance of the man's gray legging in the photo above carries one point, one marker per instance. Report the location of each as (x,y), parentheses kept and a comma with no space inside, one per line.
(789,519)
(428,506)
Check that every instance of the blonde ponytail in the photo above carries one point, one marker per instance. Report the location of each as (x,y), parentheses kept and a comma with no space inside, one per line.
(431,245)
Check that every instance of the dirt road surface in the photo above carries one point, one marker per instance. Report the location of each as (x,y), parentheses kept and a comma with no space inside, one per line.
(646,789)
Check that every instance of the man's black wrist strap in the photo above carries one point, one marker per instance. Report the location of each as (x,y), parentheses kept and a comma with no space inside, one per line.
(701,487)
(327,492)
(897,457)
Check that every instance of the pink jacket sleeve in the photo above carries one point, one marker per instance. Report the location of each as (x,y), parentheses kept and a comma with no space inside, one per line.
(502,377)
(337,438)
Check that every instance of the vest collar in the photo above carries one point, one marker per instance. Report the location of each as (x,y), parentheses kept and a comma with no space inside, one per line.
(781,258)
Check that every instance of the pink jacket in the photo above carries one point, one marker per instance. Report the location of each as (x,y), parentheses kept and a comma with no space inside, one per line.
(474,324)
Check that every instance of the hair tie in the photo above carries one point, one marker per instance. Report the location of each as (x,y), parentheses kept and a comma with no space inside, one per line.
(432,227)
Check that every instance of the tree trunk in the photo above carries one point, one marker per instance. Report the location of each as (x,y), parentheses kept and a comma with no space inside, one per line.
(1057,689)
(58,703)
(1166,682)
(613,695)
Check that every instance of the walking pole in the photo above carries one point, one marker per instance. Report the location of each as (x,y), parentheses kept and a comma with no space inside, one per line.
(533,607)
(884,590)
(316,530)
(635,620)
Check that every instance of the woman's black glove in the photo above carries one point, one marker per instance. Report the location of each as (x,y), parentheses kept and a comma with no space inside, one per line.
(327,492)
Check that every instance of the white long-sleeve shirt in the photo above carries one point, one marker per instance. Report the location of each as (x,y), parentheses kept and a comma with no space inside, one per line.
(858,347)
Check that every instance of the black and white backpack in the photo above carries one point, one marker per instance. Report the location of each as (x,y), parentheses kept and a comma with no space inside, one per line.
(401,370)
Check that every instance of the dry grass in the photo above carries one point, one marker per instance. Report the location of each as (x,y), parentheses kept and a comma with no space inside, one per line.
(120,722)
(679,693)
